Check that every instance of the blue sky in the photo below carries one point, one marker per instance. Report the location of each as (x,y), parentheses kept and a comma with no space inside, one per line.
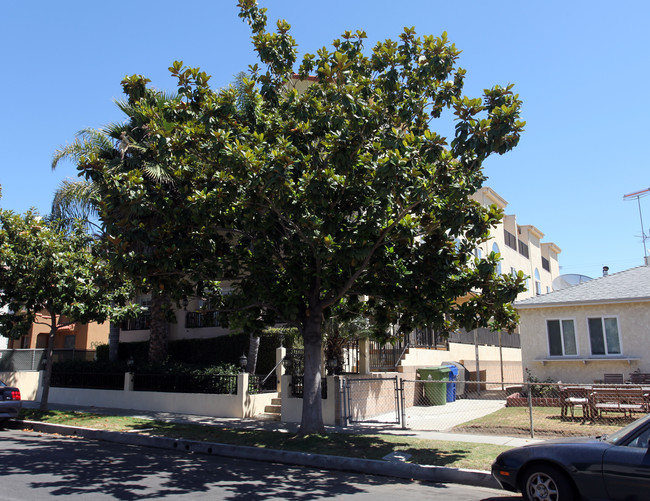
(580,67)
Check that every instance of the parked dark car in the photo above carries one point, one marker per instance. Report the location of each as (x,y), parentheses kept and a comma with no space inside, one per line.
(10,402)
(608,468)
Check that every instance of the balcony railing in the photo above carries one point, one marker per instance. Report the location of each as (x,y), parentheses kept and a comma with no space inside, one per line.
(143,322)
(198,319)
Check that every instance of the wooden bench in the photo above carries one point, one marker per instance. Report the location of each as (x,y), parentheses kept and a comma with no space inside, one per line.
(640,377)
(613,378)
(618,399)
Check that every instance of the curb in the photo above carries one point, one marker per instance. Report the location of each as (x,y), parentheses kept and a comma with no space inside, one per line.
(396,469)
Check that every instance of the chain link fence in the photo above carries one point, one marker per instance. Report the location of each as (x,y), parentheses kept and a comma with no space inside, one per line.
(538,410)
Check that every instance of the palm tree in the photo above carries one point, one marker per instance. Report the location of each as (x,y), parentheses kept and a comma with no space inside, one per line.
(116,147)
(78,201)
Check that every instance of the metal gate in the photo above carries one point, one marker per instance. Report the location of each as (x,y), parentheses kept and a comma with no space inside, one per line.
(372,400)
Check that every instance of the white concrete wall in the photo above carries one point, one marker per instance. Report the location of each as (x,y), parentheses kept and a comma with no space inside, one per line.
(634,333)
(292,407)
(28,382)
(240,405)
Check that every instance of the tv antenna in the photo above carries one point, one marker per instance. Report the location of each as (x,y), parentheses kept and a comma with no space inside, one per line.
(639,195)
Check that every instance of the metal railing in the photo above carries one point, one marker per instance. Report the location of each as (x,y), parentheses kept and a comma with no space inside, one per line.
(186,383)
(298,385)
(258,384)
(90,380)
(198,319)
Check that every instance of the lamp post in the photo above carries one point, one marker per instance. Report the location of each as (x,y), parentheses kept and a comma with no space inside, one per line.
(243,362)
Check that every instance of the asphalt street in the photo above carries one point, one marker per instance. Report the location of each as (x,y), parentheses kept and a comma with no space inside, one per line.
(38,466)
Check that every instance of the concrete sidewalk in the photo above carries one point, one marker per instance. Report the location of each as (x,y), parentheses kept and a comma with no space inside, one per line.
(271,425)
(391,466)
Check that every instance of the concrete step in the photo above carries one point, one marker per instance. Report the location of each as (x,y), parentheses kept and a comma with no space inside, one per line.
(276,401)
(269,416)
(273,409)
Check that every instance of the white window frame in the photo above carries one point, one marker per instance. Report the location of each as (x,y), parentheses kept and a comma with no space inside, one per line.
(575,338)
(618,332)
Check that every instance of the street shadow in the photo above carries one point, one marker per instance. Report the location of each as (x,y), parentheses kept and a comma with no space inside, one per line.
(65,466)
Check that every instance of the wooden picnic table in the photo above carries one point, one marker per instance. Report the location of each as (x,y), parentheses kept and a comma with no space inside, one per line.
(627,399)
(572,396)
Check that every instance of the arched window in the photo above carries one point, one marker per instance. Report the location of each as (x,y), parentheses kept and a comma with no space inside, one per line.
(538,283)
(495,249)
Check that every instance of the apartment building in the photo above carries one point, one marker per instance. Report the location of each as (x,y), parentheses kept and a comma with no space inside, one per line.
(521,248)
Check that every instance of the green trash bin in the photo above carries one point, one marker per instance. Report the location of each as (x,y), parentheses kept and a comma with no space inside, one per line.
(436,393)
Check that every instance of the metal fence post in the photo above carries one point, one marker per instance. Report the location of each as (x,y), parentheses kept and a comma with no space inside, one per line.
(403,404)
(346,403)
(530,411)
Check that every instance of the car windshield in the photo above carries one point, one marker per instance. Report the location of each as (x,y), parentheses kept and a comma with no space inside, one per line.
(619,434)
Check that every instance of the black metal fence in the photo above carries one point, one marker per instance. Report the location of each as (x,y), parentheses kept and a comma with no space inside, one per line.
(262,384)
(186,383)
(298,385)
(90,380)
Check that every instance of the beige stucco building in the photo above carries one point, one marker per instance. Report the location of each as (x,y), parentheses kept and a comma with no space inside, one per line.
(74,337)
(521,248)
(580,333)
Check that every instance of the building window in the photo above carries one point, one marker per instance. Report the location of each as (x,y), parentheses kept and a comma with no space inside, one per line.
(538,283)
(546,264)
(478,253)
(495,249)
(603,336)
(68,342)
(41,340)
(510,239)
(523,249)
(561,338)
(25,342)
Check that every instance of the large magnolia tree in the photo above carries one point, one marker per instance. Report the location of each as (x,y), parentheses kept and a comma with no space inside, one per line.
(322,181)
(56,273)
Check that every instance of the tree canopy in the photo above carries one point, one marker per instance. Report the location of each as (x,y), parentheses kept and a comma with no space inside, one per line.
(314,184)
(57,272)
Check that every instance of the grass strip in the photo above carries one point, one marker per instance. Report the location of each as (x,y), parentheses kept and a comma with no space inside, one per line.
(547,423)
(427,452)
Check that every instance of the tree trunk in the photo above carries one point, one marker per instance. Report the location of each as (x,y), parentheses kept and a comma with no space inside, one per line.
(113,341)
(159,327)
(45,395)
(253,349)
(312,411)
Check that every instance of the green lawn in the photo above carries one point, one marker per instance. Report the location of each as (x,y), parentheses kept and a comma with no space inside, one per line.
(515,421)
(429,452)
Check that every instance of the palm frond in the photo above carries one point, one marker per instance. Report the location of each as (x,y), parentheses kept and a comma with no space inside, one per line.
(75,201)
(86,142)
(157,173)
